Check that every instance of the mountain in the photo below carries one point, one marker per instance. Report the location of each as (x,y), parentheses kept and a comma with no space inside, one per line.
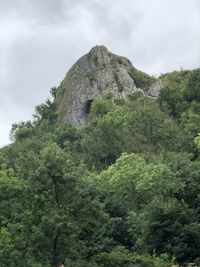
(121,190)
(97,74)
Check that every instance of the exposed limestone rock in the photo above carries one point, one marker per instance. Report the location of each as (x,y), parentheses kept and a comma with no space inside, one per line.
(154,89)
(96,74)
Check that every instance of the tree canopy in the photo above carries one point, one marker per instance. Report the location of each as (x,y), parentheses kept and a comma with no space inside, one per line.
(123,190)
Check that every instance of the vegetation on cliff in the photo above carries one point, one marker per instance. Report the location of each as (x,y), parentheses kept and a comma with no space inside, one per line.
(122,190)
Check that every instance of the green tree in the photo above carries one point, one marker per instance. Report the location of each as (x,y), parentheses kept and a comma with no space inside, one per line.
(197,140)
(132,182)
(171,228)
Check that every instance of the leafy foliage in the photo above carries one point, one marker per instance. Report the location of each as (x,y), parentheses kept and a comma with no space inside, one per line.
(141,79)
(123,190)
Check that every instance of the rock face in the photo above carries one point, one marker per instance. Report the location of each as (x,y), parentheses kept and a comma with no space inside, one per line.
(97,74)
(154,89)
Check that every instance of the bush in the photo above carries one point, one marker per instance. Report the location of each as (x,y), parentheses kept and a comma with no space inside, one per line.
(23,133)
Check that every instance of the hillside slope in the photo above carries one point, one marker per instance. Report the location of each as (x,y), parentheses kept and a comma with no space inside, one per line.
(117,187)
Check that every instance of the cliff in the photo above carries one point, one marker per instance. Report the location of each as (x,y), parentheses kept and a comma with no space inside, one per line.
(98,74)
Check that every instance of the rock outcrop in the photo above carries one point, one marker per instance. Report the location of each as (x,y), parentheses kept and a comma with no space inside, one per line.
(98,74)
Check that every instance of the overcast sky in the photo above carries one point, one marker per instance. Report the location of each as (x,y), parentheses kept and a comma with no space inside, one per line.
(41,39)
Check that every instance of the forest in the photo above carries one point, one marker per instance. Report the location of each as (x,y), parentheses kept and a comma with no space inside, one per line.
(121,191)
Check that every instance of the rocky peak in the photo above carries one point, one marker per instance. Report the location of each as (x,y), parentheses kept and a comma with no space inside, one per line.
(98,74)
(99,50)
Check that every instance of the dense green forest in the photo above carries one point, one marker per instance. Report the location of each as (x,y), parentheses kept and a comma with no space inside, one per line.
(121,191)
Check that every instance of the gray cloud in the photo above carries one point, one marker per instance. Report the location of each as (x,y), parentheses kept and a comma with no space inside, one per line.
(40,40)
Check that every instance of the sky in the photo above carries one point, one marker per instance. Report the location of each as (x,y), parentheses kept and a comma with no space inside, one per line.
(41,39)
